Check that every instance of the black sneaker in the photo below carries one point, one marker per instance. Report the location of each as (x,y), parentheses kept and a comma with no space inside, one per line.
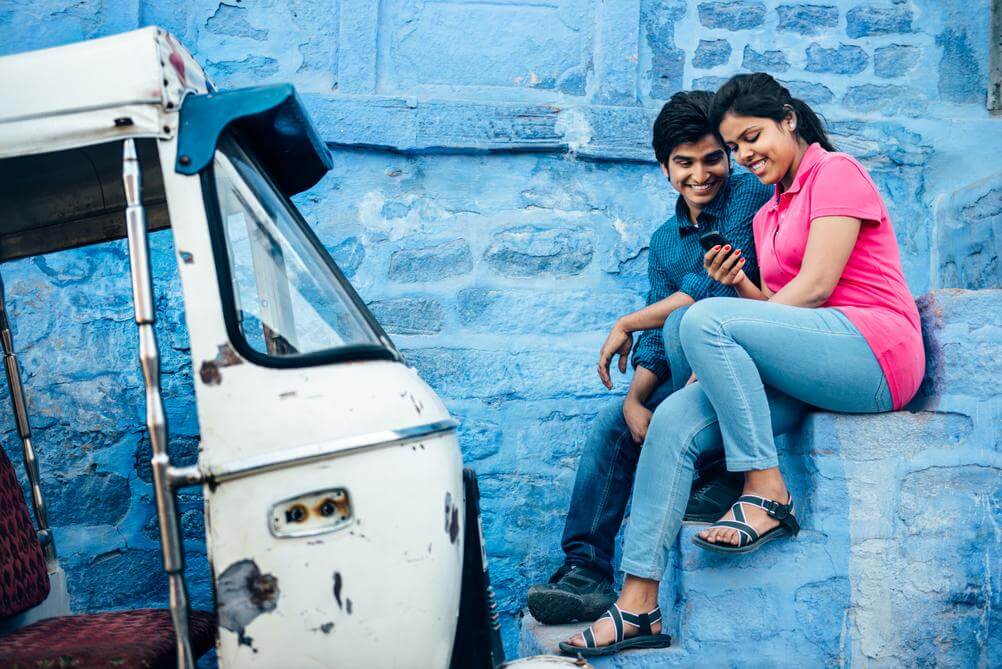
(712,496)
(574,593)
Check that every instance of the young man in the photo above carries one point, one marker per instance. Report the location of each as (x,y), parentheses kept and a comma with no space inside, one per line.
(710,198)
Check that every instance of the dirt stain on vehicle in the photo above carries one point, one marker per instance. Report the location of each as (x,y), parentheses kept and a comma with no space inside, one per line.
(243,593)
(451,519)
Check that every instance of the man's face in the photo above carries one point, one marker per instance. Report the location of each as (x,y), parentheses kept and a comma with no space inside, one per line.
(698,170)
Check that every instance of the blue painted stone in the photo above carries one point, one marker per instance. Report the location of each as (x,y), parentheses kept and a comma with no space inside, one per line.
(845,59)
(889,99)
(895,60)
(107,496)
(772,61)
(667,60)
(231,20)
(348,255)
(429,263)
(810,92)
(515,310)
(701,84)
(409,315)
(807,19)
(868,21)
(531,250)
(732,15)
(961,77)
(711,53)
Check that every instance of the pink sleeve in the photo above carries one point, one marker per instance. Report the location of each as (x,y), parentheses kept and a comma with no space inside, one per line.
(841,188)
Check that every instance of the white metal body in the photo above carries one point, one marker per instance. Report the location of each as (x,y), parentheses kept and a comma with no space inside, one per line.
(380,592)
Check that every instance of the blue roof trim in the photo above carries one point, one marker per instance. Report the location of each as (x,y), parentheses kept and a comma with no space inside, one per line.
(273,125)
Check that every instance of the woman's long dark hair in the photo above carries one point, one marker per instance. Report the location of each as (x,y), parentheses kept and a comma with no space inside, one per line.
(760,95)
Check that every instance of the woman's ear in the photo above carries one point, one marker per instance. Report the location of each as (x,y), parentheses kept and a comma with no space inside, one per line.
(790,120)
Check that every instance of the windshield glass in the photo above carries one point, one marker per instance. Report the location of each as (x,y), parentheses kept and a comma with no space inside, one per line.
(288,299)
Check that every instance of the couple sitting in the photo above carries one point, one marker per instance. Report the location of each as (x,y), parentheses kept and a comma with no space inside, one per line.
(731,355)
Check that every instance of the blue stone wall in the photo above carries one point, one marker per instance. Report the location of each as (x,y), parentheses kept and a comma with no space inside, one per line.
(492,199)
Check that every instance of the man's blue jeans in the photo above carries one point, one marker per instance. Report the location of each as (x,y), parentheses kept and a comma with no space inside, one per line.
(608,465)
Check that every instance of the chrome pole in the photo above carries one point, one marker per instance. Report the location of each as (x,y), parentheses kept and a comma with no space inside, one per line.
(156,420)
(24,429)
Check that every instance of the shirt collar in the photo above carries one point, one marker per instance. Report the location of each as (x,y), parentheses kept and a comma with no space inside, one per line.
(711,213)
(807,164)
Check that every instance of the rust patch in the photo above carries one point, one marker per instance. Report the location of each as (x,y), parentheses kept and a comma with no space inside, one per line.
(186,257)
(242,594)
(451,519)
(226,357)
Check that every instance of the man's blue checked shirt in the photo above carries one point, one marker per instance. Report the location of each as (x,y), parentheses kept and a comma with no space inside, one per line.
(675,261)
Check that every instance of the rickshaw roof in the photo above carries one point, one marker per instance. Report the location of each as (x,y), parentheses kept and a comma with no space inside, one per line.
(66,111)
(94,91)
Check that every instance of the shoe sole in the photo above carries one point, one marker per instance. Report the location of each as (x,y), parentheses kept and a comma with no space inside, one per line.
(555,607)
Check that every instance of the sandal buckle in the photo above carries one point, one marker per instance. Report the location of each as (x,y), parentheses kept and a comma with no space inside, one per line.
(778,511)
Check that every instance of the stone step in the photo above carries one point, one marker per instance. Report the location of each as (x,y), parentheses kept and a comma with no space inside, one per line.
(896,563)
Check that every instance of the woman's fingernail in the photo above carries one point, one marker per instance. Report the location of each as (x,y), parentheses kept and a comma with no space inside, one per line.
(727,248)
(738,252)
(715,247)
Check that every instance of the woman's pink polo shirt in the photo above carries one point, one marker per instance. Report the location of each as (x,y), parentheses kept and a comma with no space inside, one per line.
(872,292)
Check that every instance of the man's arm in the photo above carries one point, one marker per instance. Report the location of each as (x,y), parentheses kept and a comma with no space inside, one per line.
(636,415)
(650,351)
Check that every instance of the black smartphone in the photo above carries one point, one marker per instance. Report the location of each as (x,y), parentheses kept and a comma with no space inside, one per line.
(712,238)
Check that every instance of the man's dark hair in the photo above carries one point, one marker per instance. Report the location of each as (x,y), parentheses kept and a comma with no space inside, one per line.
(685,118)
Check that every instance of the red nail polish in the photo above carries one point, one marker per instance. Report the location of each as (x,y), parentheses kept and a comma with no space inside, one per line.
(737,253)
(715,247)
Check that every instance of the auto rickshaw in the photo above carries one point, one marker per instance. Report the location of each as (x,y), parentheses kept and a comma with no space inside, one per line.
(341,528)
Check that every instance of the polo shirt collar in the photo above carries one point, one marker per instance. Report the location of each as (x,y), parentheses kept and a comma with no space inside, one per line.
(711,213)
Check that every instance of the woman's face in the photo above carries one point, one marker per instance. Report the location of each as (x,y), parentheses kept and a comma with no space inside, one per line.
(769,149)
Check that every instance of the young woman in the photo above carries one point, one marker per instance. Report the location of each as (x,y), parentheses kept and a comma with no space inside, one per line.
(831,326)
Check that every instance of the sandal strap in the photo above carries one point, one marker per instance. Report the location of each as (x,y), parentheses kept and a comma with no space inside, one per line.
(642,621)
(747,532)
(775,509)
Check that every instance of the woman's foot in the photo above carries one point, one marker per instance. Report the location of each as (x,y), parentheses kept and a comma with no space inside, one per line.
(767,483)
(639,596)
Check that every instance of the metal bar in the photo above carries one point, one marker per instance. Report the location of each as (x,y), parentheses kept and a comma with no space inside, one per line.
(328,449)
(156,420)
(17,399)
(184,477)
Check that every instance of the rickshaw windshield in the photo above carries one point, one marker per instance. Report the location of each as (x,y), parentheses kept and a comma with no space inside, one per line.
(288,297)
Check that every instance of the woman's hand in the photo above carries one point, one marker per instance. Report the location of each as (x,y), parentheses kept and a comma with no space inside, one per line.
(619,342)
(638,419)
(723,266)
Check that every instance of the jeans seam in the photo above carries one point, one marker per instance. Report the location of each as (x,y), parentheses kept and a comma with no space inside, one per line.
(605,495)
(730,369)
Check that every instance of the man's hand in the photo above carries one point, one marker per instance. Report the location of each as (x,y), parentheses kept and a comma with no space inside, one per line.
(638,419)
(692,379)
(619,342)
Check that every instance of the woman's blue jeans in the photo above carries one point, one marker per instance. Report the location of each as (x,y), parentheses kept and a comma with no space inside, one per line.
(761,366)
(608,464)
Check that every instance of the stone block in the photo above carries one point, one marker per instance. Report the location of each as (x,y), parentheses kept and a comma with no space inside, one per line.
(505,374)
(963,342)
(889,99)
(431,263)
(961,74)
(516,310)
(844,59)
(711,53)
(531,250)
(810,92)
(807,19)
(88,498)
(772,61)
(968,235)
(895,60)
(409,315)
(708,84)
(869,21)
(348,254)
(732,14)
